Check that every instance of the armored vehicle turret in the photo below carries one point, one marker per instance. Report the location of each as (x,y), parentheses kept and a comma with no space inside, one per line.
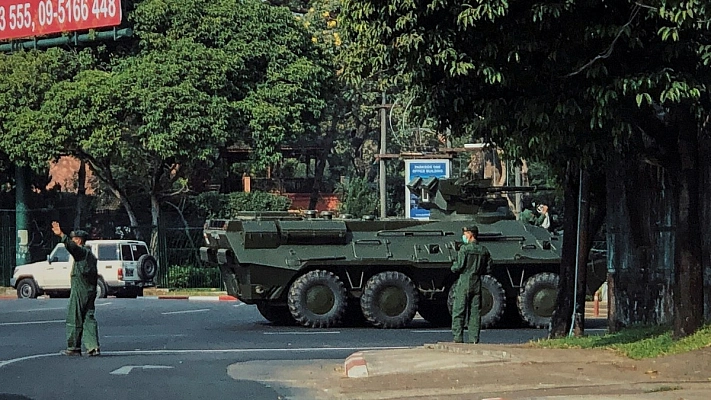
(320,271)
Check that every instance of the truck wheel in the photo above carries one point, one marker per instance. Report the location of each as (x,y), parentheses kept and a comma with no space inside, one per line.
(101,289)
(317,299)
(147,267)
(536,302)
(493,301)
(27,289)
(389,300)
(435,313)
(276,314)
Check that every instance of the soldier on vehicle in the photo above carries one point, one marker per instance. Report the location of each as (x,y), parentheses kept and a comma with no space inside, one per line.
(80,312)
(544,219)
(473,261)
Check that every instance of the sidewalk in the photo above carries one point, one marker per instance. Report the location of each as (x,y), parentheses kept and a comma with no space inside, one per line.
(464,371)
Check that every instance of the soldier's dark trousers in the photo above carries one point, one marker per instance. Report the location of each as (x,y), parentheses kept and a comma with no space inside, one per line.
(81,322)
(467,300)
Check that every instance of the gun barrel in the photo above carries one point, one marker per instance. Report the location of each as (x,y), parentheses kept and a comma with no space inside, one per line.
(515,189)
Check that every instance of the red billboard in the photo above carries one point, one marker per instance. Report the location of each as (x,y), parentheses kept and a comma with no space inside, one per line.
(28,18)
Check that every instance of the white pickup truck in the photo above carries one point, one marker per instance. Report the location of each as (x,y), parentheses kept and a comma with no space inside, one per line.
(125,267)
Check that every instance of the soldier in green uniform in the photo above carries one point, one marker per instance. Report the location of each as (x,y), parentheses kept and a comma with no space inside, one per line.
(473,261)
(528,216)
(80,313)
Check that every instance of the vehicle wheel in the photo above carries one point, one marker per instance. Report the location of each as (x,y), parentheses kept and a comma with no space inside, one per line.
(435,313)
(536,302)
(147,267)
(101,289)
(318,299)
(276,314)
(389,300)
(27,289)
(493,301)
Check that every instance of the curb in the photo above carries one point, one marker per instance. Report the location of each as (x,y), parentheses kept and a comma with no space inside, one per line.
(464,348)
(355,366)
(199,298)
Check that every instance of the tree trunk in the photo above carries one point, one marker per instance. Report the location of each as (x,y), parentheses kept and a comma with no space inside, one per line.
(321,165)
(81,192)
(688,283)
(104,174)
(705,204)
(562,316)
(639,242)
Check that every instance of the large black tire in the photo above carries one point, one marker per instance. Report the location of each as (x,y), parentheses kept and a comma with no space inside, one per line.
(276,314)
(27,289)
(493,301)
(435,312)
(389,300)
(147,267)
(536,302)
(318,299)
(101,289)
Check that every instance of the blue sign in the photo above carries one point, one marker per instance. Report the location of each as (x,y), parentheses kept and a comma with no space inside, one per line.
(422,169)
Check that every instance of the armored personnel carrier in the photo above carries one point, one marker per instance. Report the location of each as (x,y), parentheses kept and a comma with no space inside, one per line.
(320,271)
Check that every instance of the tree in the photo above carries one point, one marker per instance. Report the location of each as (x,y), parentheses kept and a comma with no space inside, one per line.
(202,76)
(559,81)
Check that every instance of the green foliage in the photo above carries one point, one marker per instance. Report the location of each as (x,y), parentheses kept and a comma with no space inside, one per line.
(358,197)
(218,205)
(182,276)
(636,342)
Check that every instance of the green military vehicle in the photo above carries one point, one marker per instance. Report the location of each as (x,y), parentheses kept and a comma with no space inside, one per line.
(321,271)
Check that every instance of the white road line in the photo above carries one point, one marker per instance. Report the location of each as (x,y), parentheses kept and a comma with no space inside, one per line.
(40,309)
(207,351)
(302,333)
(143,336)
(238,305)
(431,331)
(186,311)
(32,322)
(104,304)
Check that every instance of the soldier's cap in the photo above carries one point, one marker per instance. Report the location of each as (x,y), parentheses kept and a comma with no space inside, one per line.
(80,234)
(471,228)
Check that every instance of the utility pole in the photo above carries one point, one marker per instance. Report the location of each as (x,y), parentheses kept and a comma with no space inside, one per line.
(22,241)
(383,144)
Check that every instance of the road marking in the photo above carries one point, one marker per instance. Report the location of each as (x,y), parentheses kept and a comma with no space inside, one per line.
(208,351)
(125,370)
(186,311)
(238,305)
(431,331)
(32,322)
(41,309)
(302,333)
(135,336)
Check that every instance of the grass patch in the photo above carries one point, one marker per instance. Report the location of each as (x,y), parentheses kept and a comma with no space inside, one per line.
(664,389)
(635,342)
(183,292)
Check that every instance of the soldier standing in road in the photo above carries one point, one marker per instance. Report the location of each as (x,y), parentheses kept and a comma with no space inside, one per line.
(473,261)
(80,313)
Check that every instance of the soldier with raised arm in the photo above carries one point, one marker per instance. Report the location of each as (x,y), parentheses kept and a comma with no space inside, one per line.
(81,322)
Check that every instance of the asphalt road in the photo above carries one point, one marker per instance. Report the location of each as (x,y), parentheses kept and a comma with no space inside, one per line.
(180,349)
